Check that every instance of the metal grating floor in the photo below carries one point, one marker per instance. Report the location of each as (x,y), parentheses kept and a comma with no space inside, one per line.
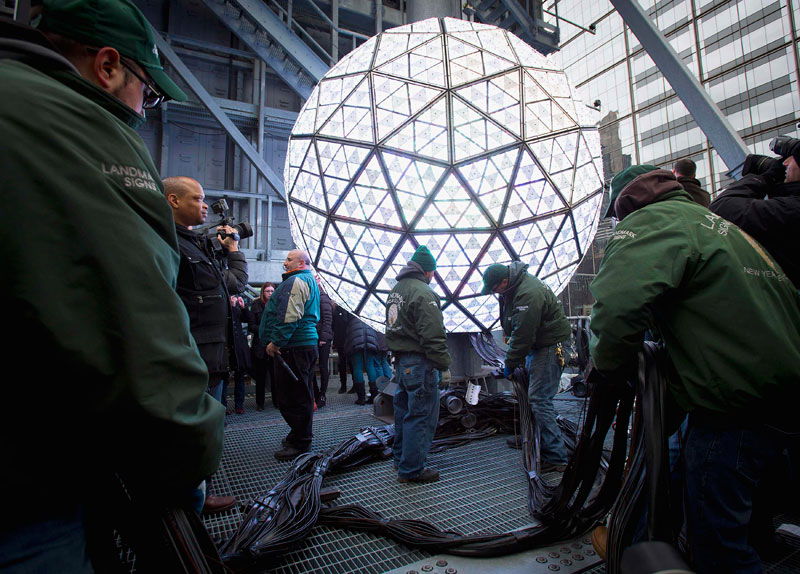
(482,489)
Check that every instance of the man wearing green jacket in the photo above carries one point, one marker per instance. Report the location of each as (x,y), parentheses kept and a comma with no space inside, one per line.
(534,322)
(90,257)
(415,335)
(730,321)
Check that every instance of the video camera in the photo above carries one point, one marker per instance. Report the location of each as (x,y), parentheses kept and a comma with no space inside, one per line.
(783,145)
(242,230)
(771,167)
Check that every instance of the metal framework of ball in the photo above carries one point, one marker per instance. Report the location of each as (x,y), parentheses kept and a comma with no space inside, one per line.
(450,134)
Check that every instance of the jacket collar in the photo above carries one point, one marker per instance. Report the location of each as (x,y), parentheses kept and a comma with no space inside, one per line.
(285,276)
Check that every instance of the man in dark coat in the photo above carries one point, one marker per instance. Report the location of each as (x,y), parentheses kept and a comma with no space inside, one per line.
(685,171)
(340,319)
(766,204)
(325,332)
(206,279)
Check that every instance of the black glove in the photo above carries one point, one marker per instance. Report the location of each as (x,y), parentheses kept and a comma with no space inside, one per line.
(770,168)
(775,173)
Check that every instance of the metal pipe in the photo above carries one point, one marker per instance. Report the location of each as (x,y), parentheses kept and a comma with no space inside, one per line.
(417,10)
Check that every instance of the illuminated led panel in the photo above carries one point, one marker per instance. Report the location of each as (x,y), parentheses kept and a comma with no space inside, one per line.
(450,134)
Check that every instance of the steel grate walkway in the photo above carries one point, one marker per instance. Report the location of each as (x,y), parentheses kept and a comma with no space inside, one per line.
(482,489)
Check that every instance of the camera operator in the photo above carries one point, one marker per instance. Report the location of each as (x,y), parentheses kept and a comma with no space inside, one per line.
(206,279)
(766,203)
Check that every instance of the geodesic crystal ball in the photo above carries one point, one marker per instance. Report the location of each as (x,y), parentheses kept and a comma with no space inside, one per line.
(450,134)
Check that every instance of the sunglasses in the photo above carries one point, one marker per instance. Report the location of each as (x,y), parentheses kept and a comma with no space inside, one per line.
(152,96)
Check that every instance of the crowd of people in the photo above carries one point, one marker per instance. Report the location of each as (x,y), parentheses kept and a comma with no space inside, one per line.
(147,323)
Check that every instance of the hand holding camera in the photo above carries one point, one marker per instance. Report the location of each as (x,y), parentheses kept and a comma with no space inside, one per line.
(770,168)
(228,237)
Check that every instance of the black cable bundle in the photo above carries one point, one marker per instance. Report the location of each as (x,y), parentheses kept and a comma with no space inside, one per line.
(589,487)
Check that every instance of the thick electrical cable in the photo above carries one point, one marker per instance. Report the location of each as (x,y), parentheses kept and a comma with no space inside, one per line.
(589,488)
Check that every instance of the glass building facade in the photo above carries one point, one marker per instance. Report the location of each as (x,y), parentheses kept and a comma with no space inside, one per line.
(745,54)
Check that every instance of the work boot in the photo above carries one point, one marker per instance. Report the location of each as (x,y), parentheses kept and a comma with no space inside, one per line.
(427,475)
(216,504)
(289,453)
(373,392)
(360,393)
(600,541)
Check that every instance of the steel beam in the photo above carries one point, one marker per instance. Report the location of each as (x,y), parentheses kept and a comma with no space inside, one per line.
(211,105)
(281,58)
(729,145)
(289,41)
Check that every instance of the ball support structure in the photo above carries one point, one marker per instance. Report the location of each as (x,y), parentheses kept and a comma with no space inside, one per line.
(450,134)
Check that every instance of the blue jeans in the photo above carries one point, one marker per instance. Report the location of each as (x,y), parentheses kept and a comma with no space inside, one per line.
(723,468)
(215,390)
(363,360)
(545,373)
(55,544)
(381,365)
(416,413)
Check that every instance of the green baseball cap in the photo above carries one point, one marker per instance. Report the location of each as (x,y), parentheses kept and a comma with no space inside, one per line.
(114,23)
(493,276)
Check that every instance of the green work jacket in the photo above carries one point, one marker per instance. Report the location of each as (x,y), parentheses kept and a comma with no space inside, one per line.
(531,315)
(100,352)
(414,318)
(726,311)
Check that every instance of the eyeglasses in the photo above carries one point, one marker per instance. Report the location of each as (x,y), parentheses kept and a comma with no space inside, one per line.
(152,96)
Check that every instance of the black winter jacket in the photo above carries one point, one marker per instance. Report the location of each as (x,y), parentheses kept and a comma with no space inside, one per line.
(692,187)
(340,320)
(325,324)
(204,286)
(773,222)
(360,337)
(256,311)
(240,316)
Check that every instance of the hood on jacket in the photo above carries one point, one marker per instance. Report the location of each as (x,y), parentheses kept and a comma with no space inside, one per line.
(646,189)
(413,270)
(516,271)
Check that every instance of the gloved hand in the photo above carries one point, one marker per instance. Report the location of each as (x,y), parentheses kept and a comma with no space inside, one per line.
(508,372)
(444,379)
(775,172)
(770,168)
